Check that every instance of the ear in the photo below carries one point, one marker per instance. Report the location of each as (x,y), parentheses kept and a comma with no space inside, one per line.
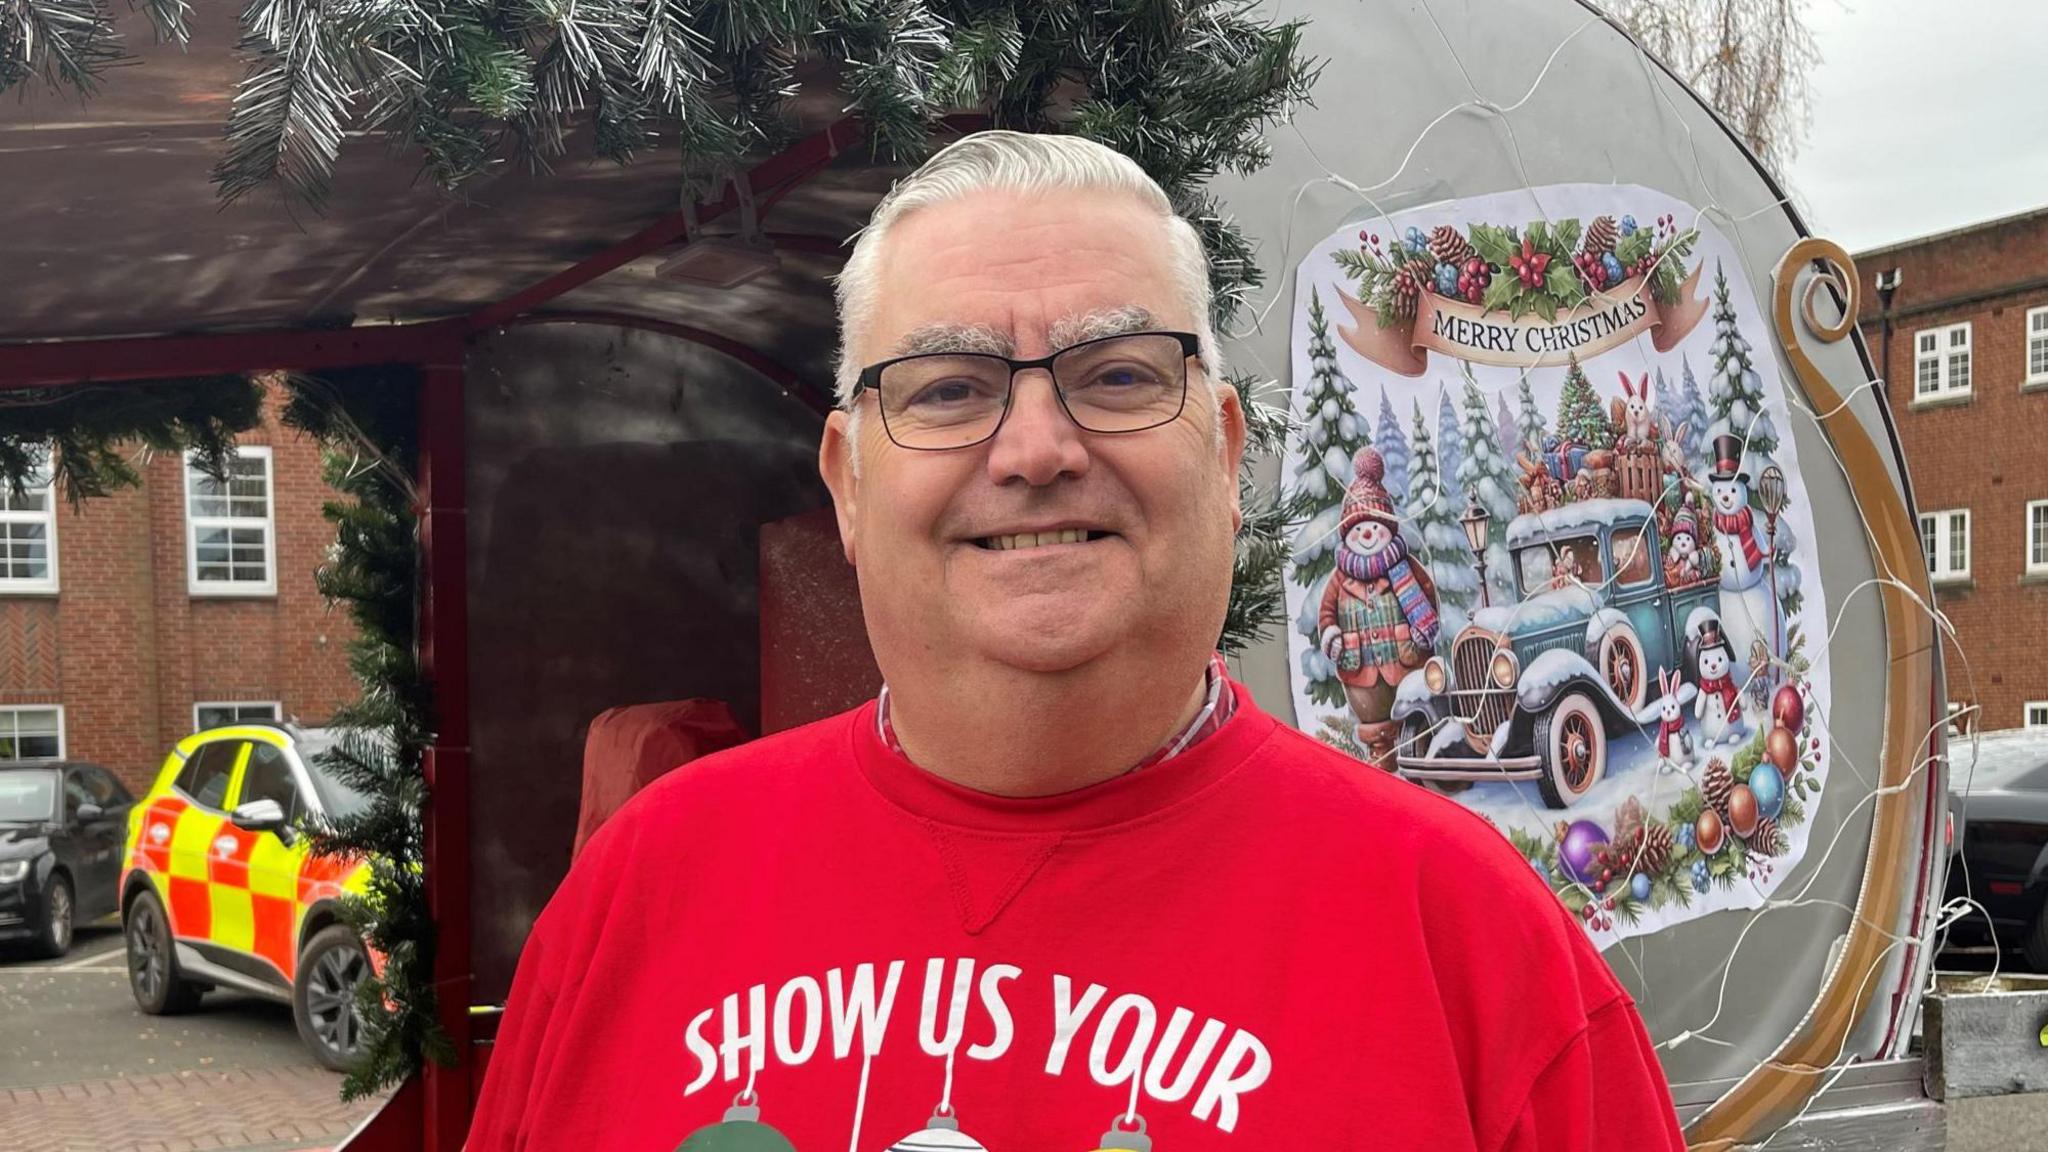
(835,465)
(1627,387)
(1230,410)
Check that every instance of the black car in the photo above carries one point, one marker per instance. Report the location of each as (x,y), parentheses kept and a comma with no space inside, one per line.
(62,828)
(1998,796)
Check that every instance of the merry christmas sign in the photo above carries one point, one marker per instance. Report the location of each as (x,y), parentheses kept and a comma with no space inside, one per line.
(1555,566)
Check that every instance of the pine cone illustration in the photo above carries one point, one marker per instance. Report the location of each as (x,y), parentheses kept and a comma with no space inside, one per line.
(1600,235)
(1658,845)
(1449,247)
(1767,840)
(1716,784)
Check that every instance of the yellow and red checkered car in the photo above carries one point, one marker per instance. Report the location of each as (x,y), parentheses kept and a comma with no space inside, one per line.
(221,889)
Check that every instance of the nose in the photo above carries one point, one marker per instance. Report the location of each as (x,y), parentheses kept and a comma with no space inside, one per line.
(1037,443)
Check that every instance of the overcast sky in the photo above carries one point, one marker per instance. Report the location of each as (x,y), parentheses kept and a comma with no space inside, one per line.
(1927,115)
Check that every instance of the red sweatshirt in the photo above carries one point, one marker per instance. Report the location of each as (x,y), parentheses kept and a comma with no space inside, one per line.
(1278,947)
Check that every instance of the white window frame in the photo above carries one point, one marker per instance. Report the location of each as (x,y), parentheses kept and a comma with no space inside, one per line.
(2036,351)
(2034,714)
(2034,537)
(194,524)
(1944,524)
(276,711)
(1941,357)
(12,725)
(10,585)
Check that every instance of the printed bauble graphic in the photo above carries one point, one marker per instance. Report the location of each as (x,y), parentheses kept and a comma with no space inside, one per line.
(1121,1138)
(1788,709)
(1709,833)
(1768,786)
(940,1134)
(1639,887)
(1578,854)
(1742,810)
(1781,748)
(740,1131)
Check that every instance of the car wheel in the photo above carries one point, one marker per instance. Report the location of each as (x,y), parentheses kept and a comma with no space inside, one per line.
(1573,743)
(153,961)
(1620,658)
(60,913)
(331,969)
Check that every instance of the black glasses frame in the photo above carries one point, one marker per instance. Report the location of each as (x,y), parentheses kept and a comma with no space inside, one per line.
(871,381)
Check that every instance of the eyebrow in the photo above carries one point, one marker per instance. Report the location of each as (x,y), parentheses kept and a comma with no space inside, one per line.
(1066,332)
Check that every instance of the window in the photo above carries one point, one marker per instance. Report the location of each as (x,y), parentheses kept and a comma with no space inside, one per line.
(2036,714)
(2037,536)
(269,777)
(1962,719)
(230,540)
(205,775)
(1941,362)
(1632,557)
(32,733)
(1945,537)
(28,535)
(75,795)
(221,713)
(2037,346)
(107,792)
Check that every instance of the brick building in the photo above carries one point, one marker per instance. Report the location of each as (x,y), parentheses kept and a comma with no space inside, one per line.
(1959,326)
(129,622)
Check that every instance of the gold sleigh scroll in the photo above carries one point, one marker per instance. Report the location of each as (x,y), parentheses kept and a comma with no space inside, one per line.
(1606,320)
(1774,1092)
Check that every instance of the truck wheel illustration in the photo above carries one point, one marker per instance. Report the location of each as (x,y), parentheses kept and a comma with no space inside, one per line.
(1416,734)
(1620,660)
(1573,744)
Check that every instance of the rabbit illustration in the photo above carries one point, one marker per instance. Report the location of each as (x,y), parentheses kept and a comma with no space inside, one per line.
(1638,414)
(1671,734)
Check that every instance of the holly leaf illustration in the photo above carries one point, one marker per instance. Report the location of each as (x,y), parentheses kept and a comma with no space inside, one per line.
(1545,305)
(1496,245)
(1539,235)
(1561,280)
(1631,248)
(1564,237)
(1500,293)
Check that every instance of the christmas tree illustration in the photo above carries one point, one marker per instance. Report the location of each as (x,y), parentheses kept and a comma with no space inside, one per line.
(1504,426)
(1689,412)
(1735,391)
(1581,417)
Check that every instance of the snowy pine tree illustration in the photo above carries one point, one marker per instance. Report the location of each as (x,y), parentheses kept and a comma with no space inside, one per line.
(1529,423)
(1504,423)
(1393,447)
(1735,392)
(1332,429)
(1690,413)
(1484,473)
(1432,523)
(1448,450)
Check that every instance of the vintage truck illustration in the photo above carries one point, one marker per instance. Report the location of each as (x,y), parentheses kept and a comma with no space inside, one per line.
(1533,690)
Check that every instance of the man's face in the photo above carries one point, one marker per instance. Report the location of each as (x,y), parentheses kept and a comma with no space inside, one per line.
(970,554)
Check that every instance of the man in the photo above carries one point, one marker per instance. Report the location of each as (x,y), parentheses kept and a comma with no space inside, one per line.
(1064,885)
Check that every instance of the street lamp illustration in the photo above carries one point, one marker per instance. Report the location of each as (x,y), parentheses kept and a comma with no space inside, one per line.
(1474,522)
(1770,488)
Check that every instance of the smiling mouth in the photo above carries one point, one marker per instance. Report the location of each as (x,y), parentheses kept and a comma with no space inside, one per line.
(1019,541)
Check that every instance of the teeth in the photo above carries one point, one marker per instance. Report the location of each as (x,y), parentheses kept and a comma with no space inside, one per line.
(1038,539)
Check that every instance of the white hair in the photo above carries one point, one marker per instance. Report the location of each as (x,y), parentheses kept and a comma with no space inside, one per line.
(1023,162)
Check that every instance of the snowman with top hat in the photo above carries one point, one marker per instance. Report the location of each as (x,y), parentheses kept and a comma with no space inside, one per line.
(1746,609)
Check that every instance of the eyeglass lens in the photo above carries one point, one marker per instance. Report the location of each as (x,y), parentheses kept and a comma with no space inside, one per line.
(1125,384)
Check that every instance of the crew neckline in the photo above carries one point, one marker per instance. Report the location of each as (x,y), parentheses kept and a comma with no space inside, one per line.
(1118,800)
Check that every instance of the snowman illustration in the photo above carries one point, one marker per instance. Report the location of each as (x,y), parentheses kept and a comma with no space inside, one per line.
(1682,566)
(1718,707)
(1378,617)
(1746,609)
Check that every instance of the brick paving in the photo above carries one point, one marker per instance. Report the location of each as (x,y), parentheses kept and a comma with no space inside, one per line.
(238,1108)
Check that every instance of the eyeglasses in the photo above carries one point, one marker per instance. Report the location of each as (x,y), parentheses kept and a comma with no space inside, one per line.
(937,401)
